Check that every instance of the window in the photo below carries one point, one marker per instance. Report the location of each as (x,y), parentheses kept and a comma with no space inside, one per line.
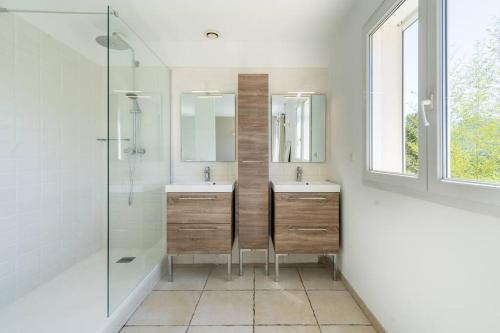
(433,99)
(471,88)
(410,98)
(394,143)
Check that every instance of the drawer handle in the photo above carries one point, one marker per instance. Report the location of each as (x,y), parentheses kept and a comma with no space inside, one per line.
(197,229)
(252,161)
(197,198)
(308,229)
(313,198)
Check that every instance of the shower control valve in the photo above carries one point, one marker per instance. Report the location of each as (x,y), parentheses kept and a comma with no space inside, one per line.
(133,151)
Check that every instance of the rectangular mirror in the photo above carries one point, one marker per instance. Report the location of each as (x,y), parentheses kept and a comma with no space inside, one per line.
(298,128)
(208,129)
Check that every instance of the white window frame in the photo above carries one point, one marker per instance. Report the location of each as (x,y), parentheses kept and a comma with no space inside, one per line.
(430,184)
(375,177)
(468,191)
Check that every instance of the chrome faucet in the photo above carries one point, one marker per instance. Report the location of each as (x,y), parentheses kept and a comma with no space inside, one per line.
(206,173)
(300,172)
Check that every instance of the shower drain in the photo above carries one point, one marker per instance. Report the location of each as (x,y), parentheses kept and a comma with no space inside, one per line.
(125,260)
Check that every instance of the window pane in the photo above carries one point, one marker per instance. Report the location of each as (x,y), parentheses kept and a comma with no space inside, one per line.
(410,97)
(472,101)
(394,92)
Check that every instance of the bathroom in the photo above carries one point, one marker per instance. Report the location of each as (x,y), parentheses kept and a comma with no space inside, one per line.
(186,166)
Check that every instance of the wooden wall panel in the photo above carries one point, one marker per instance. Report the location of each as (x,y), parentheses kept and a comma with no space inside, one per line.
(253,161)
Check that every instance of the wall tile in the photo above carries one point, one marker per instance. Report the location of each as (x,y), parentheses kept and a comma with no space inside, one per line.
(52,171)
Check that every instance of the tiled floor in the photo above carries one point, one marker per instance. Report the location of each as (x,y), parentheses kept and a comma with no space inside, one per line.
(200,300)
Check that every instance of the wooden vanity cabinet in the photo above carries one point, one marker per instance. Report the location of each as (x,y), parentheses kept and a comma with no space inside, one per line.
(305,223)
(200,223)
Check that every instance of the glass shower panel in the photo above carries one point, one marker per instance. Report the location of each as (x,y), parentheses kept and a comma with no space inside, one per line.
(138,160)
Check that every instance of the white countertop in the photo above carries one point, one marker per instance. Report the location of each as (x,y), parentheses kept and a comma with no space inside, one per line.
(302,187)
(202,187)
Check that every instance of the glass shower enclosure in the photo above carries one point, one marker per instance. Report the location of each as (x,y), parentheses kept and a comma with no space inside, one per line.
(85,155)
(138,159)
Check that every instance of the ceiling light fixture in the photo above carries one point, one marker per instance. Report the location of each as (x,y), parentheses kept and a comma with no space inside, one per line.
(211,34)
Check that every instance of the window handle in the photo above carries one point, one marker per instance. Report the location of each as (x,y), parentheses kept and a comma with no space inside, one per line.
(424,104)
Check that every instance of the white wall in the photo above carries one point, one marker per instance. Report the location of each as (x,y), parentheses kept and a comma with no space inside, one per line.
(52,169)
(419,266)
(281,80)
(234,54)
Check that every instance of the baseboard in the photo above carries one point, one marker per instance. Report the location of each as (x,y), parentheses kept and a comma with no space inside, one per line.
(368,313)
(121,314)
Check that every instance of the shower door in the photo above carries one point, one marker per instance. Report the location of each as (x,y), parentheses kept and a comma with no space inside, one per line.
(138,161)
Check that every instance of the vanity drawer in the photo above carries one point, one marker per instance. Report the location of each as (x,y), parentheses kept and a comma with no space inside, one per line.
(199,238)
(290,238)
(311,208)
(199,208)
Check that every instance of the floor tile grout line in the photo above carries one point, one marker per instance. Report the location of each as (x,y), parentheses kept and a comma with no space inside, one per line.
(309,300)
(199,298)
(253,326)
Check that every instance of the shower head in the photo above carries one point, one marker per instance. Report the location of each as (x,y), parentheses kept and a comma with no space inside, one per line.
(116,42)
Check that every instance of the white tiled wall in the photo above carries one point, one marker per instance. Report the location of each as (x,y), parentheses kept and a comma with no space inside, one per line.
(52,169)
(281,80)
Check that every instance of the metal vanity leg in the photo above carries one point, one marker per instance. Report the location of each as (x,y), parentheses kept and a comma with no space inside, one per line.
(241,262)
(170,259)
(266,268)
(334,266)
(277,266)
(229,267)
(266,252)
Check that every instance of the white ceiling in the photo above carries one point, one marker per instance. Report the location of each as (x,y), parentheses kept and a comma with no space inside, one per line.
(237,20)
(254,33)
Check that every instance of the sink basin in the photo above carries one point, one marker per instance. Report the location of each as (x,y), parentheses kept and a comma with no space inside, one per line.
(200,187)
(306,187)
